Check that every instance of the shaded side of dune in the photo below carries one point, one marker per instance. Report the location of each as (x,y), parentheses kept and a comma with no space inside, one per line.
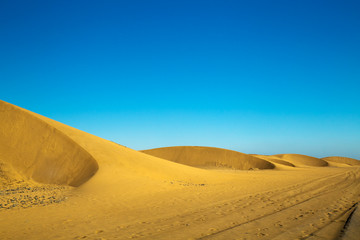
(39,151)
(349,161)
(210,157)
(302,160)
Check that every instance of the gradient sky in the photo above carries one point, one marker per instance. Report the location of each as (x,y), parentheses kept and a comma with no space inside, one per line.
(261,77)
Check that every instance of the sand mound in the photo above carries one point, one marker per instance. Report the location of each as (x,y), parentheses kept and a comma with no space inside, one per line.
(39,151)
(209,157)
(349,161)
(302,160)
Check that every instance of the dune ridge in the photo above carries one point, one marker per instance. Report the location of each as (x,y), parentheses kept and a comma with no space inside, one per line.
(210,157)
(302,160)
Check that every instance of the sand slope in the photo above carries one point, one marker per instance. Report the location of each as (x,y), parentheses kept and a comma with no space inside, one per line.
(349,161)
(210,157)
(302,160)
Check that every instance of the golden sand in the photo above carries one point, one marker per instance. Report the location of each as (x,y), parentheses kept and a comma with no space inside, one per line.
(57,182)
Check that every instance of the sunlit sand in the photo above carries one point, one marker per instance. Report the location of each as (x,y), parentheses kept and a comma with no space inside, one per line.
(58,182)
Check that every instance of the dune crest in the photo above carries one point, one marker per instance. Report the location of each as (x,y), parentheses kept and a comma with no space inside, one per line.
(346,160)
(302,160)
(210,157)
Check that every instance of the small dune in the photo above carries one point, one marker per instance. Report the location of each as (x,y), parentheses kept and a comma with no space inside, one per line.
(349,161)
(210,157)
(302,160)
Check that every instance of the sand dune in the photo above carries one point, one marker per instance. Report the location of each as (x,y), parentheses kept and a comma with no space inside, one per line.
(57,182)
(210,157)
(302,160)
(349,161)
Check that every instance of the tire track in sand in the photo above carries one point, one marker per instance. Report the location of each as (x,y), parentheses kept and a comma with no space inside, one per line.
(292,210)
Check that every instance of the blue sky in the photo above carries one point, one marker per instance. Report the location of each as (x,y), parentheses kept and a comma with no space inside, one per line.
(253,76)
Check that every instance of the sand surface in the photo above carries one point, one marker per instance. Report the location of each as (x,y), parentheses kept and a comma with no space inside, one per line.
(57,182)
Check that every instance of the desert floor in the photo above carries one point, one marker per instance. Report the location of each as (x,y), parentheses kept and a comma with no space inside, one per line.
(269,204)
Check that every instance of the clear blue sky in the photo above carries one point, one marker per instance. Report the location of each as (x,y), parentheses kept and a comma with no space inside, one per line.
(253,76)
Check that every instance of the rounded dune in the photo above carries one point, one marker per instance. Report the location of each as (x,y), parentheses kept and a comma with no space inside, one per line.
(302,160)
(210,157)
(345,160)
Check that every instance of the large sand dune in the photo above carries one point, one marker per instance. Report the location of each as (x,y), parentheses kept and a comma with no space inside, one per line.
(57,182)
(210,157)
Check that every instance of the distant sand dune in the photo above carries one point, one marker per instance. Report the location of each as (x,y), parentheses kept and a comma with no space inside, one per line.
(210,157)
(349,161)
(302,160)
